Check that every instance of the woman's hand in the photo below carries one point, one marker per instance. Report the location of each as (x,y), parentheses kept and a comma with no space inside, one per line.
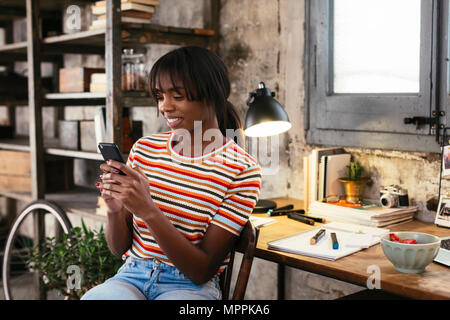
(132,189)
(114,205)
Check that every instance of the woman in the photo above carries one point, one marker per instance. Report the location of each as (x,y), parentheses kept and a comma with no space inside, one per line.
(183,202)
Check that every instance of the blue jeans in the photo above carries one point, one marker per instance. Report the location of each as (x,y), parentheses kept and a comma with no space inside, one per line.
(150,279)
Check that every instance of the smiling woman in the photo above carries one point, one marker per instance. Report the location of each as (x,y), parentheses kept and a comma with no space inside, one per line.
(175,215)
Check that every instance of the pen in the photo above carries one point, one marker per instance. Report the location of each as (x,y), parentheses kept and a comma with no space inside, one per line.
(317,237)
(335,241)
(300,218)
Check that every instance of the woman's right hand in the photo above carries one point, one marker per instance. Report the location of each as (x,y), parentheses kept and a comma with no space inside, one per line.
(113,205)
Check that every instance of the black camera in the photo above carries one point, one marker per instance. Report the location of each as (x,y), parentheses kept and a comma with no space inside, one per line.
(393,196)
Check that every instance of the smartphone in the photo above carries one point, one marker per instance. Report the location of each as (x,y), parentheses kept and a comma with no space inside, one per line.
(110,151)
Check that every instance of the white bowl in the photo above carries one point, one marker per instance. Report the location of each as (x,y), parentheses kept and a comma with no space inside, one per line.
(411,258)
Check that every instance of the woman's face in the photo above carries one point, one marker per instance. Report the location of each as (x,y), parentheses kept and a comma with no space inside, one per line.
(178,111)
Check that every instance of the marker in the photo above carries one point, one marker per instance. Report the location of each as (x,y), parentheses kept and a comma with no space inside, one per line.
(334,240)
(317,237)
(289,206)
(299,211)
(270,213)
(300,218)
(280,209)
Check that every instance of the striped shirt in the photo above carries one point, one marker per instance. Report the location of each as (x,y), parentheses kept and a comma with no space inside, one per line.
(221,188)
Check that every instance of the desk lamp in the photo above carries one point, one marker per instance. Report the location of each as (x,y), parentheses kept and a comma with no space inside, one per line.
(265,117)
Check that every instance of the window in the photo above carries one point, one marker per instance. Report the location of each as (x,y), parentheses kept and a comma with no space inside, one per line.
(377,73)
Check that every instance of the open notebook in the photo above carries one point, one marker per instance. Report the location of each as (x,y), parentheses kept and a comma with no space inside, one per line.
(351,238)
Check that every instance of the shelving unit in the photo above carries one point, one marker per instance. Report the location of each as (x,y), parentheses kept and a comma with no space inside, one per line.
(107,41)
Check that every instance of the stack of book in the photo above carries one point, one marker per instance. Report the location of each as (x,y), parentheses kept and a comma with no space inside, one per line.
(133,11)
(370,214)
(322,169)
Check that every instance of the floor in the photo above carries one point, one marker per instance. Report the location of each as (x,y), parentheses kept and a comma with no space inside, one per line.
(24,289)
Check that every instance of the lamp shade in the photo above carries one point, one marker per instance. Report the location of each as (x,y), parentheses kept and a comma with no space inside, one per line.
(265,115)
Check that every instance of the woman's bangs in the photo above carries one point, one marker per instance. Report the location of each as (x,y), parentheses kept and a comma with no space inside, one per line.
(179,75)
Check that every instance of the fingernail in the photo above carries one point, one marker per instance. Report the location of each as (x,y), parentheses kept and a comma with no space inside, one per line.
(101,190)
(115,171)
(101,176)
(97,184)
(108,162)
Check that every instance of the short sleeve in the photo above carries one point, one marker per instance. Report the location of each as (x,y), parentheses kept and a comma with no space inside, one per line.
(130,160)
(239,201)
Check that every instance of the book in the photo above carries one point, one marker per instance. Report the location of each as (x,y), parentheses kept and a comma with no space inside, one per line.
(99,10)
(306,183)
(370,214)
(332,167)
(148,2)
(314,158)
(130,14)
(100,126)
(259,222)
(352,238)
(102,23)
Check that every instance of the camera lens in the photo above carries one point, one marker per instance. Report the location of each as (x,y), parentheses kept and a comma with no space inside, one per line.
(389,200)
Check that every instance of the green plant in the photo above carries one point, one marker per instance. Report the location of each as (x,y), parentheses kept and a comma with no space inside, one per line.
(83,248)
(354,171)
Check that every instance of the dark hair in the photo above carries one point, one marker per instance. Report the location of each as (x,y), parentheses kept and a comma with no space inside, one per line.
(204,77)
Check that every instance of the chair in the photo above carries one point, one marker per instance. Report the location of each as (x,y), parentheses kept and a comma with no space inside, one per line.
(245,244)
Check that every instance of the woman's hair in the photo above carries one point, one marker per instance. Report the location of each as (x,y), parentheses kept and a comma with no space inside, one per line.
(204,77)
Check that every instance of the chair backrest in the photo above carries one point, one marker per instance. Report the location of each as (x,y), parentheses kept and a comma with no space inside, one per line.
(245,244)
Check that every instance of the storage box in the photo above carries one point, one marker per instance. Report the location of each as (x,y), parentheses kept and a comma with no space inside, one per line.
(69,134)
(87,136)
(15,172)
(76,79)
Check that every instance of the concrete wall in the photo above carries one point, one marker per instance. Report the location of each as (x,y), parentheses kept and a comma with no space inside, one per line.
(263,40)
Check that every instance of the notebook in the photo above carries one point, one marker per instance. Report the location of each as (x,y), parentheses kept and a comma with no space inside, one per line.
(443,255)
(332,167)
(352,238)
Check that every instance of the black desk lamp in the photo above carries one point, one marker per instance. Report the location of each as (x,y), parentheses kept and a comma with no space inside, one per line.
(265,117)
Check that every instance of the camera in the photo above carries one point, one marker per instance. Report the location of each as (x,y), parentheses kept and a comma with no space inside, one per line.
(393,196)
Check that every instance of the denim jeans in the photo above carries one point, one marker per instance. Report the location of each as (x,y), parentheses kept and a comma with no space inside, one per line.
(139,279)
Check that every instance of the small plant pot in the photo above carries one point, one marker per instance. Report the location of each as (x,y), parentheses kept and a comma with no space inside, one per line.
(354,190)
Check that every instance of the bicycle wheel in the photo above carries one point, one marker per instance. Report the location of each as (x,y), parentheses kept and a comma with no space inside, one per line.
(18,280)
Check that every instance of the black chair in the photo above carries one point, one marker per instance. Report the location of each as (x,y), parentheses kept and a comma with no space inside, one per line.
(246,244)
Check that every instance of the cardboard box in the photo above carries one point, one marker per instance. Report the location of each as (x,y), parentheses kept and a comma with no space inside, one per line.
(87,136)
(15,172)
(76,79)
(69,134)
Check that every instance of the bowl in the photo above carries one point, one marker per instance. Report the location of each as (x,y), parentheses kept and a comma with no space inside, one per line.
(411,258)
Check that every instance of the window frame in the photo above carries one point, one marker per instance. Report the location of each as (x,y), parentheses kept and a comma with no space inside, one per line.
(330,118)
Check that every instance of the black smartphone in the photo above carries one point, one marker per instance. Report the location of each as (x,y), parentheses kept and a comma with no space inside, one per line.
(110,151)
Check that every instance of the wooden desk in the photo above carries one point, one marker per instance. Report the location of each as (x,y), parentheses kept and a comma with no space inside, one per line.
(434,283)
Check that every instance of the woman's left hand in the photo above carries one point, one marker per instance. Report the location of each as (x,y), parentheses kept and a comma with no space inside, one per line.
(132,188)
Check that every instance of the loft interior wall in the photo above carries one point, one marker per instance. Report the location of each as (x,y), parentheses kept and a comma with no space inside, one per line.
(263,40)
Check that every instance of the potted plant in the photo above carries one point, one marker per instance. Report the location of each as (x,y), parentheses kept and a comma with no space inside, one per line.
(82,249)
(354,183)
